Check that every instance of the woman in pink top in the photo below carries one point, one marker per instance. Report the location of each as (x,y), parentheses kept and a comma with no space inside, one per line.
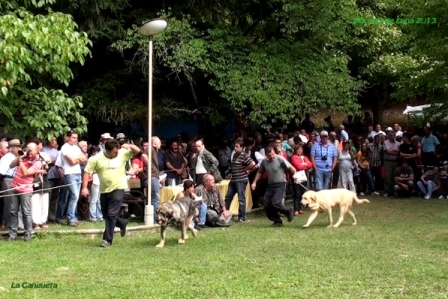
(27,167)
(300,162)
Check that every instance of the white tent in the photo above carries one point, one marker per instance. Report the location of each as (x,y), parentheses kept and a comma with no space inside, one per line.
(418,110)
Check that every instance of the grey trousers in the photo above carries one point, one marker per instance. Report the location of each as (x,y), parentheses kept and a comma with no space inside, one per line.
(389,175)
(7,200)
(24,201)
(213,217)
(53,195)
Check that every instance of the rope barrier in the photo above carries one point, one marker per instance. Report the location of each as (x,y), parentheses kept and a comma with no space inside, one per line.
(37,191)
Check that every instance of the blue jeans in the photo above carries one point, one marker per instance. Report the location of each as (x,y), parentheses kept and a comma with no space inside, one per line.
(95,205)
(237,187)
(366,176)
(428,189)
(62,204)
(323,179)
(155,196)
(73,195)
(202,213)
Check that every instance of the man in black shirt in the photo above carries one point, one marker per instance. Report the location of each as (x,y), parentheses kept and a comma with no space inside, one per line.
(175,164)
(408,152)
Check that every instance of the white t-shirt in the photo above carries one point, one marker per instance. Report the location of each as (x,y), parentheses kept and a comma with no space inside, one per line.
(70,150)
(200,168)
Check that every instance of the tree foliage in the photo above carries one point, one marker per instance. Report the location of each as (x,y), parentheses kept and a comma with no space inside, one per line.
(262,68)
(35,53)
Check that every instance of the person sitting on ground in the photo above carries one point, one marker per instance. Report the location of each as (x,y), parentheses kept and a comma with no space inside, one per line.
(217,214)
(429,182)
(443,180)
(404,179)
(201,211)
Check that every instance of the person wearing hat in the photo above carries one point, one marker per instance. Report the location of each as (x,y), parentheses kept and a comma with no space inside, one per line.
(7,174)
(391,157)
(324,157)
(104,137)
(121,138)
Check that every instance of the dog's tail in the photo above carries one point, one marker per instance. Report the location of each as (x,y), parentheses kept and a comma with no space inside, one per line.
(360,200)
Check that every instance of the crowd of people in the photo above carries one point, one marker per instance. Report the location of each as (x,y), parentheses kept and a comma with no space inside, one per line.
(354,155)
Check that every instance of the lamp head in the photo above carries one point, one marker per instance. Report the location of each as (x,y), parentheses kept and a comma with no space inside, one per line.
(153,27)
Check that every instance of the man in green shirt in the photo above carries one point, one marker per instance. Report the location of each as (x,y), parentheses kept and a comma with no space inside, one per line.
(110,167)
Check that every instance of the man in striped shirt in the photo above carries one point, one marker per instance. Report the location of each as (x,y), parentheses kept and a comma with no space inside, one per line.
(27,167)
(240,166)
(375,157)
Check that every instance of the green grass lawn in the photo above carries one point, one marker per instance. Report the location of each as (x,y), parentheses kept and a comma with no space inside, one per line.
(399,249)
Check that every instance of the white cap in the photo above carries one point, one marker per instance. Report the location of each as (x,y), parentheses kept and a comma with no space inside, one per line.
(389,129)
(106,136)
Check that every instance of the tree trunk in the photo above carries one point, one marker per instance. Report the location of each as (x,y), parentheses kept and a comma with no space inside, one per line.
(381,97)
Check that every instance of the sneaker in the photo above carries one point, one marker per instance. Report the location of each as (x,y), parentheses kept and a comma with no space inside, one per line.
(442,197)
(73,223)
(12,238)
(197,227)
(27,238)
(427,197)
(361,194)
(124,229)
(105,244)
(242,220)
(385,195)
(290,215)
(202,225)
(44,226)
(277,224)
(301,212)
(375,193)
(36,227)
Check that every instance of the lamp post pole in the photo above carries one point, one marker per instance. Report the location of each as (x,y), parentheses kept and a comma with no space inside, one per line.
(149,29)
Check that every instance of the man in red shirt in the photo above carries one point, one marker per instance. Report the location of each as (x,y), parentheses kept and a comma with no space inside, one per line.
(27,167)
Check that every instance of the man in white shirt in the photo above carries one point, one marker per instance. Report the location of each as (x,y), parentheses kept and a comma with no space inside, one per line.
(69,159)
(344,134)
(7,174)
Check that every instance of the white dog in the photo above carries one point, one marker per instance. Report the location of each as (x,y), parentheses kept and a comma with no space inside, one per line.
(325,200)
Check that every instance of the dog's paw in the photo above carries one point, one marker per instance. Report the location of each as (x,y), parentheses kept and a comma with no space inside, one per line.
(186,237)
(160,245)
(306,225)
(330,226)
(194,232)
(354,223)
(181,241)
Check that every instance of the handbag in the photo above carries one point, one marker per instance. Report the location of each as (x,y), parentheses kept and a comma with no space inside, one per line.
(38,183)
(300,177)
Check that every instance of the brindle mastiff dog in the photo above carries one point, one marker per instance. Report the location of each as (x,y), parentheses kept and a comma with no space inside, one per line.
(178,213)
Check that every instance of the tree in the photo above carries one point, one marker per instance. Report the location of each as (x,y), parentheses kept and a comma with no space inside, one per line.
(257,66)
(427,44)
(36,50)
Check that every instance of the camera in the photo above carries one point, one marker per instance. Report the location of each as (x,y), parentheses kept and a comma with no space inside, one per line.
(324,158)
(21,153)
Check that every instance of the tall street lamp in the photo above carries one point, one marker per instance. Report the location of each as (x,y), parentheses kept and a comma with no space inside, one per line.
(149,29)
